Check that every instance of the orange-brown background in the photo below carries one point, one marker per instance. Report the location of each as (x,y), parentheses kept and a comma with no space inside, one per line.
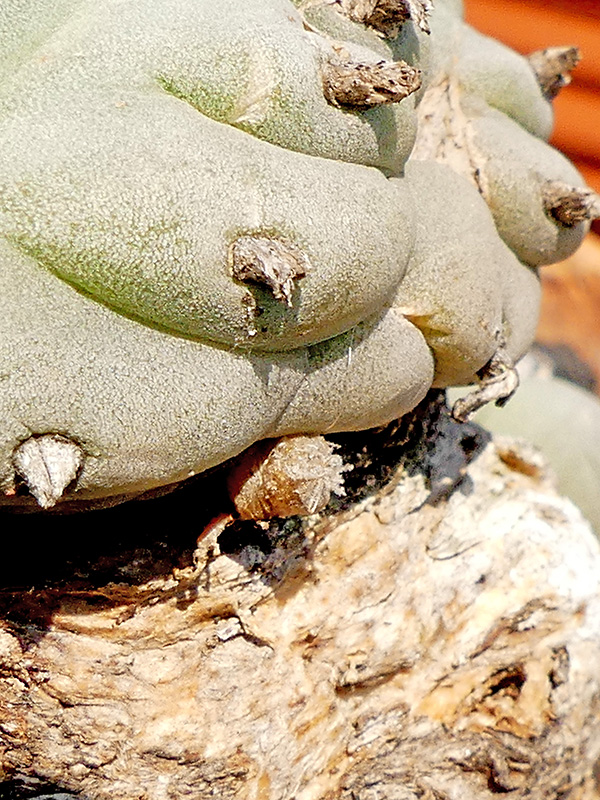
(571,301)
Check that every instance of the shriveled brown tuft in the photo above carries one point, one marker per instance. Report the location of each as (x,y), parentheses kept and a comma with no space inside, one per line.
(48,464)
(568,205)
(288,476)
(553,68)
(270,262)
(498,381)
(387,16)
(359,85)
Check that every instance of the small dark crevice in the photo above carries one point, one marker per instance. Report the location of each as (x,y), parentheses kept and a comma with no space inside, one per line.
(496,787)
(561,664)
(30,788)
(129,543)
(363,687)
(241,534)
(508,681)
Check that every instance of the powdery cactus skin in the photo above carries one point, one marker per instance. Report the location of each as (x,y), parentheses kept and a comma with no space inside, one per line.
(211,234)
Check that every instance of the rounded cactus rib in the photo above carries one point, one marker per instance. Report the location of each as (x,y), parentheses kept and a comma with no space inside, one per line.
(373,373)
(517,167)
(489,70)
(161,253)
(148,408)
(453,288)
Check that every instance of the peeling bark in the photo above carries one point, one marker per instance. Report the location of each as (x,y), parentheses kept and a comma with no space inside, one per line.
(445,133)
(433,634)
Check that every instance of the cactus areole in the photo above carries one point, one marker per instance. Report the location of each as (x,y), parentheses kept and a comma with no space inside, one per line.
(224,221)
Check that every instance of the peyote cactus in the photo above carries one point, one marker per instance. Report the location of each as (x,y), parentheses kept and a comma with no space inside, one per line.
(227,221)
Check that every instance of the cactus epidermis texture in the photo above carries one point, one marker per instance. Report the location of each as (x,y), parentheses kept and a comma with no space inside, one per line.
(222,221)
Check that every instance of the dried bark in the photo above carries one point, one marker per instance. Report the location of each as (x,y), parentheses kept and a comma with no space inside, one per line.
(434,634)
(445,133)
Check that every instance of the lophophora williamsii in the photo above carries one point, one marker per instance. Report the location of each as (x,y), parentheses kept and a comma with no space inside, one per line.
(224,222)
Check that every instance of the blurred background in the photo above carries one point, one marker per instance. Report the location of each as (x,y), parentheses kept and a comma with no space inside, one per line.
(570,320)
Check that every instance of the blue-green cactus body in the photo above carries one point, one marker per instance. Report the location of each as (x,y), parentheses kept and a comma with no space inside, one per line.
(147,147)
